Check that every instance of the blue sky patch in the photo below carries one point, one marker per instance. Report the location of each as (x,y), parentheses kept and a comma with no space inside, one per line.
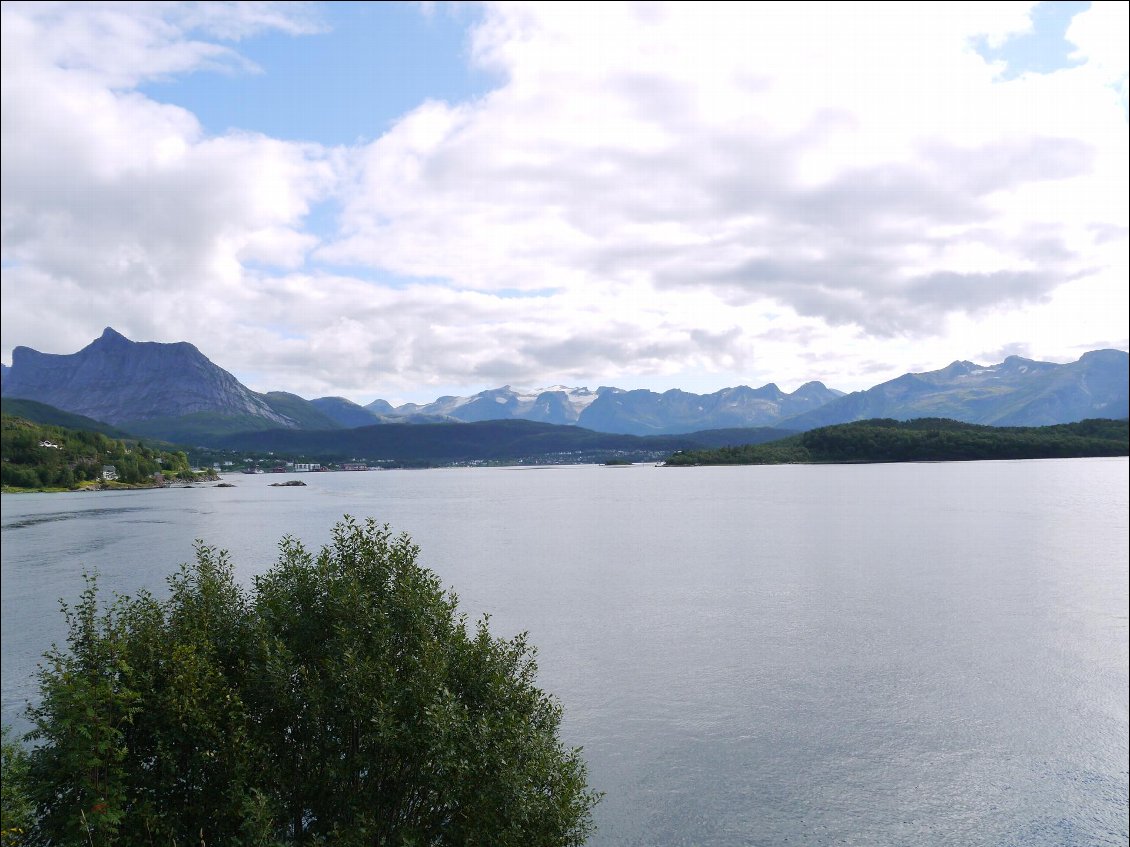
(376,62)
(1044,49)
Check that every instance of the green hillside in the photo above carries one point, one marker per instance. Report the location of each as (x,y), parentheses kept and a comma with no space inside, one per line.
(41,413)
(206,428)
(301,411)
(924,440)
(199,427)
(37,456)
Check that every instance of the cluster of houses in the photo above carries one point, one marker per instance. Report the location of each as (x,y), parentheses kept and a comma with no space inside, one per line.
(298,467)
(109,472)
(294,467)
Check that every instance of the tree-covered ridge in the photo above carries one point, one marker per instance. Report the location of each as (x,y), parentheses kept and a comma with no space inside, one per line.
(41,413)
(924,440)
(341,700)
(444,443)
(39,456)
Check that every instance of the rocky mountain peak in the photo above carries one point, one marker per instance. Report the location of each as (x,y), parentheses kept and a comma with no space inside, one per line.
(111,336)
(119,381)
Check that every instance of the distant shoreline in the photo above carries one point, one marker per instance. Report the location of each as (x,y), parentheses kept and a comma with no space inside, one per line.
(101,487)
(887,441)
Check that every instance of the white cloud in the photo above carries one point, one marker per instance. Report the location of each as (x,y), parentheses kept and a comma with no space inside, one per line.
(120,44)
(708,194)
(859,165)
(121,208)
(1102,38)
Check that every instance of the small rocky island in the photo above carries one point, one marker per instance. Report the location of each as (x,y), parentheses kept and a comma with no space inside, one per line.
(290,483)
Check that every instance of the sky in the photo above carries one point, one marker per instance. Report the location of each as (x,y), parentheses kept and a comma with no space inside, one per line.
(402,201)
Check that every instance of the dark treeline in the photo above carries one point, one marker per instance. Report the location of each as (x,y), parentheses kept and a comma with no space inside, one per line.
(41,413)
(40,456)
(924,440)
(508,440)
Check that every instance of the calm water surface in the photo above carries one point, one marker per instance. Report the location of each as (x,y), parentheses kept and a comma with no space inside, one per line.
(852,655)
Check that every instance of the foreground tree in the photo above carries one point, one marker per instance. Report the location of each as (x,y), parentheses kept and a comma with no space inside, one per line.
(15,806)
(342,700)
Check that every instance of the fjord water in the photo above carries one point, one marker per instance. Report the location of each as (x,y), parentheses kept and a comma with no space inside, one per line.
(861,655)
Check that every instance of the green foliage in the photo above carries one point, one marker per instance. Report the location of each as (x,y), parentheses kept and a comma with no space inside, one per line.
(76,776)
(15,805)
(924,440)
(342,700)
(72,457)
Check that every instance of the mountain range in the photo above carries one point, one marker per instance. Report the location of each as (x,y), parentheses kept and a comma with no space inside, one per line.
(174,392)
(1015,392)
(615,410)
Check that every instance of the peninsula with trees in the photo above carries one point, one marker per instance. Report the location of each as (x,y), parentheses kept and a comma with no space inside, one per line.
(922,440)
(41,457)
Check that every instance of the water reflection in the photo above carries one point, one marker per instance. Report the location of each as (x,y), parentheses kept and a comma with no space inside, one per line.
(52,517)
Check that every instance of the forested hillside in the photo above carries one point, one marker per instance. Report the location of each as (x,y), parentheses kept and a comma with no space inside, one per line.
(924,440)
(41,456)
(41,413)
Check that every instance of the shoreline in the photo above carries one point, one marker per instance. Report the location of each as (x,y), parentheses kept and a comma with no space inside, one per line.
(99,487)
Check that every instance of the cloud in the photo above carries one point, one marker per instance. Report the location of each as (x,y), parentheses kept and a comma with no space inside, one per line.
(120,45)
(732,192)
(115,203)
(1102,39)
(815,156)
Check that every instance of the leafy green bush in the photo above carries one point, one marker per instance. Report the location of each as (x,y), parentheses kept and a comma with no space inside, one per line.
(15,804)
(342,700)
